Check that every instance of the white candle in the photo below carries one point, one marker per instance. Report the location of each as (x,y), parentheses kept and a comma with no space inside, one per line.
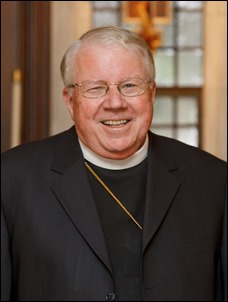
(16,109)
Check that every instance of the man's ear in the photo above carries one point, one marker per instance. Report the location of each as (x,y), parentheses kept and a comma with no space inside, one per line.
(68,99)
(153,91)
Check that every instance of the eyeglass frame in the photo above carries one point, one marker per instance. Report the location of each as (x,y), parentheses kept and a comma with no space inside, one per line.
(107,85)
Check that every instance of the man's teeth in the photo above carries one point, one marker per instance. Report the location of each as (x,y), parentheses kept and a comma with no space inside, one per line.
(115,123)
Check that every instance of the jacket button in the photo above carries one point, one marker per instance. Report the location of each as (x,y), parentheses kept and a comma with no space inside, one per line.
(110,296)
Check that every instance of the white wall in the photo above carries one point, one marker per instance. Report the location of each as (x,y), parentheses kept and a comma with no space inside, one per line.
(214,111)
(69,19)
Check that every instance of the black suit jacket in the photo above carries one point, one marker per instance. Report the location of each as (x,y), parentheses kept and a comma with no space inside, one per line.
(53,245)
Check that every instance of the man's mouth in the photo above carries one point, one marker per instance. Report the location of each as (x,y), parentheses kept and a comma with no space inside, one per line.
(115,123)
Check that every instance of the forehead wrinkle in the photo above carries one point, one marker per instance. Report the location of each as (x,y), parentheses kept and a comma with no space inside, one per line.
(100,63)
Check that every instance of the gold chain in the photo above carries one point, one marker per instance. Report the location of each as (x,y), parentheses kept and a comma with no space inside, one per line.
(113,196)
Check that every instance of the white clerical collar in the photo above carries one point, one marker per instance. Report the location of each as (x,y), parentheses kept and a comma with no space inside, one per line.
(115,164)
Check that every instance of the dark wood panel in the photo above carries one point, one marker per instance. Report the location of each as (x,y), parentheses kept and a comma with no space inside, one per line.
(25,42)
(35,16)
(9,62)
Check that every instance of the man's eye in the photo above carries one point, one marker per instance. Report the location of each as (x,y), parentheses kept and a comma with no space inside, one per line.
(96,88)
(128,85)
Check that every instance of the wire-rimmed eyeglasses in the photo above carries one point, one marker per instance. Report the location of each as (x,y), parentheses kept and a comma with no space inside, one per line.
(94,89)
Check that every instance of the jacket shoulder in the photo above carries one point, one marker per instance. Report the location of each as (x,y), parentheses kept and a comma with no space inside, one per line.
(36,151)
(185,155)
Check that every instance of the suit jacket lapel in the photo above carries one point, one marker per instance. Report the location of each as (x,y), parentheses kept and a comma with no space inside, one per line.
(72,189)
(162,187)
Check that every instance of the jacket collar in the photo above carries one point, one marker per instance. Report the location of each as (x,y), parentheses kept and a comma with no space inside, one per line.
(72,189)
(162,186)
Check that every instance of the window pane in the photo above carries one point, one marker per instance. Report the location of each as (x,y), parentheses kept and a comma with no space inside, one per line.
(163,110)
(165,131)
(167,35)
(187,110)
(188,135)
(189,29)
(101,4)
(189,4)
(102,18)
(190,68)
(164,62)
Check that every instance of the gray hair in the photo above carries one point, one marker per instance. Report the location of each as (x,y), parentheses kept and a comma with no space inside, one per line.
(108,35)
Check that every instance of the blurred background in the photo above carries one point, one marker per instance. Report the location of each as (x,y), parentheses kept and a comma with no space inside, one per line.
(189,41)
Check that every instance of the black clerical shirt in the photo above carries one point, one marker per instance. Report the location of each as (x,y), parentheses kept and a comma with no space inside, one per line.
(123,236)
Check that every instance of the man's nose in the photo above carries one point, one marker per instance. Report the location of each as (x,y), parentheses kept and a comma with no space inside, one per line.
(114,99)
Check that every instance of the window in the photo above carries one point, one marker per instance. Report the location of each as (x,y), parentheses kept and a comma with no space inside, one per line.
(178,59)
(179,76)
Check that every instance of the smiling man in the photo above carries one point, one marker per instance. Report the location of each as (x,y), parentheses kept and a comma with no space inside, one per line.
(107,210)
(109,94)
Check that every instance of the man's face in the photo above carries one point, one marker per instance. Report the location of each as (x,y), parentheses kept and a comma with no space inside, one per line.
(113,126)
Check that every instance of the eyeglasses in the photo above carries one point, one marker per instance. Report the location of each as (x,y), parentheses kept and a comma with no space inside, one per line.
(96,89)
